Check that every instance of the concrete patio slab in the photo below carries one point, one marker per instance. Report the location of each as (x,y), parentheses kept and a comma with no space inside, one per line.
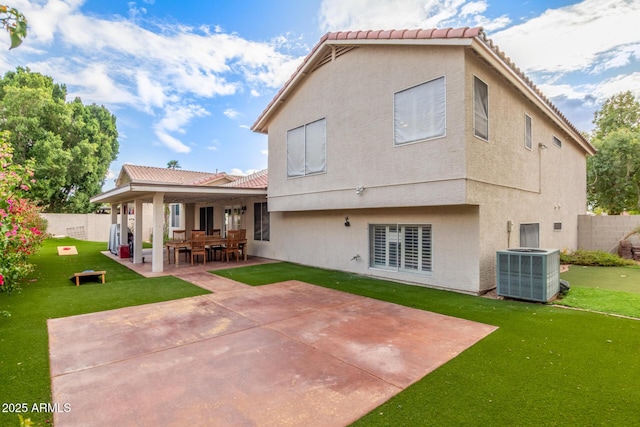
(276,355)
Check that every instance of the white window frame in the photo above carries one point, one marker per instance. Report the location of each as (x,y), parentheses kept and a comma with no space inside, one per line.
(528,132)
(439,116)
(388,245)
(485,104)
(310,148)
(556,141)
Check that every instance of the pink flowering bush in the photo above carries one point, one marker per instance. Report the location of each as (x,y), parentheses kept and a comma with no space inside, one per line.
(21,226)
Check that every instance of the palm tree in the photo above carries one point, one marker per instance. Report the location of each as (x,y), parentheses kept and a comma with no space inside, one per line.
(173,164)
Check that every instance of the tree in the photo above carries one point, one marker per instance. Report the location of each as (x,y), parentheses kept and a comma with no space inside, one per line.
(173,164)
(614,172)
(620,111)
(15,23)
(73,144)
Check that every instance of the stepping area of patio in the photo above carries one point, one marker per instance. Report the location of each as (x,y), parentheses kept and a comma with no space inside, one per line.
(289,353)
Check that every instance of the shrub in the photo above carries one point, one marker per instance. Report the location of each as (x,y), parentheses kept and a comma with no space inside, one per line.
(594,258)
(21,226)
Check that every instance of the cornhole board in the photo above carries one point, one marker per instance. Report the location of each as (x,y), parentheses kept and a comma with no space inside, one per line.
(67,250)
(88,273)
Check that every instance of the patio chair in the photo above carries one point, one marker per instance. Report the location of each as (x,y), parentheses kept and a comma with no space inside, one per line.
(233,245)
(243,236)
(181,235)
(215,248)
(198,248)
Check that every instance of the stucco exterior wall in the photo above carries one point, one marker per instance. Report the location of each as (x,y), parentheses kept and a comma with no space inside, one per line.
(320,238)
(474,187)
(355,95)
(513,183)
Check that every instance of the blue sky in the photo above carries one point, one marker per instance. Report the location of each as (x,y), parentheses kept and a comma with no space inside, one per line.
(186,79)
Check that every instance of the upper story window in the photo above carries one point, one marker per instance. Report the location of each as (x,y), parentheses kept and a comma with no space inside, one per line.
(419,112)
(480,109)
(307,149)
(528,137)
(557,142)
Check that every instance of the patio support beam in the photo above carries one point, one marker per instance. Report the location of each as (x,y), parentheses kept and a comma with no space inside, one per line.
(137,232)
(158,233)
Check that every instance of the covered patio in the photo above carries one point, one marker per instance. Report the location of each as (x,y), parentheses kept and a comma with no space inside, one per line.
(184,268)
(139,185)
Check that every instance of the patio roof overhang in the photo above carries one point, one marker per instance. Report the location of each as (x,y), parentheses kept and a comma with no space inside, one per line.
(175,193)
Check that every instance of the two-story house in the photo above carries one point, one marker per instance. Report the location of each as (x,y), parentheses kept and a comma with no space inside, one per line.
(415,155)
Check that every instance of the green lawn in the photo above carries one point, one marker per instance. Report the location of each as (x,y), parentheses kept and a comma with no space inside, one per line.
(24,357)
(544,366)
(613,290)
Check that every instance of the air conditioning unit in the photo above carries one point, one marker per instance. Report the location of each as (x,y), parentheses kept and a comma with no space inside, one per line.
(528,274)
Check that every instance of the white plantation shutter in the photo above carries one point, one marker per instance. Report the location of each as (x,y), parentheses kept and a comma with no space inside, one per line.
(426,248)
(401,247)
(411,248)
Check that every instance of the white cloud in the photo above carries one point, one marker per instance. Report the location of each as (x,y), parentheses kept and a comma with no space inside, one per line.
(473,8)
(151,94)
(571,38)
(146,64)
(171,142)
(617,84)
(231,113)
(338,15)
(240,172)
(175,120)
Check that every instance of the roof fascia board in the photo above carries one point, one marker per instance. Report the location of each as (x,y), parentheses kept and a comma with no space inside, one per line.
(496,61)
(195,189)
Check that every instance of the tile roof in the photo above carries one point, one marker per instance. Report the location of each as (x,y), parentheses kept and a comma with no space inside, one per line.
(401,36)
(149,174)
(259,179)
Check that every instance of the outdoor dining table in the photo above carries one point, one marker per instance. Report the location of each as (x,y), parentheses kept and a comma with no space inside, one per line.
(176,245)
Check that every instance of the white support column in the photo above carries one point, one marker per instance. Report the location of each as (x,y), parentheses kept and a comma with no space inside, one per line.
(137,232)
(158,233)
